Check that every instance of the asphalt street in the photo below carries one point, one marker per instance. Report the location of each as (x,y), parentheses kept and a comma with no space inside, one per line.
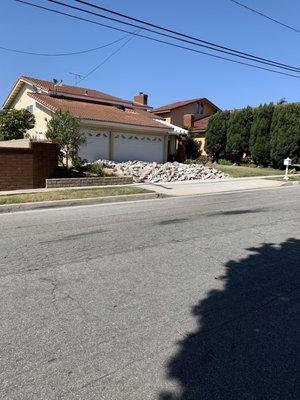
(169,299)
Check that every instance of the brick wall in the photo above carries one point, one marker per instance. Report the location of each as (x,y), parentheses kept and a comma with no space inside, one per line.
(27,168)
(97,181)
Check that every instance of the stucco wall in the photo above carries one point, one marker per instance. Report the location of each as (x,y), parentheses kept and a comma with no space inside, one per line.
(178,113)
(22,100)
(201,142)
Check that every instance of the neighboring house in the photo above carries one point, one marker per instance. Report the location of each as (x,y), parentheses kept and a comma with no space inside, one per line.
(191,114)
(115,128)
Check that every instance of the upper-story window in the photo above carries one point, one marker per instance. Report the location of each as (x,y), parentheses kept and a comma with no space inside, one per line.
(30,108)
(199,108)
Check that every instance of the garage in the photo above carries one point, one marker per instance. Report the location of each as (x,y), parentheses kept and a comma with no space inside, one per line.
(138,147)
(95,147)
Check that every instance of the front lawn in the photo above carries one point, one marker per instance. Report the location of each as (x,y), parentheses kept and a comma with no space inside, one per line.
(237,171)
(70,194)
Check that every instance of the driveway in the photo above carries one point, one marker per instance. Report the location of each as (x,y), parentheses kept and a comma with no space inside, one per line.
(198,187)
(182,298)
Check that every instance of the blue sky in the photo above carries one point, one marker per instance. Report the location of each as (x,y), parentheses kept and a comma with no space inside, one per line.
(167,74)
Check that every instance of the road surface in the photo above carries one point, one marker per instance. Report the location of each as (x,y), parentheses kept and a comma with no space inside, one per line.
(180,298)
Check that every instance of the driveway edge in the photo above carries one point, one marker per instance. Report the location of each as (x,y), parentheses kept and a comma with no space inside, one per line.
(10,208)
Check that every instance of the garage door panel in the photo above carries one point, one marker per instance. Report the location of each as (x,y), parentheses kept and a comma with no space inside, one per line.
(138,147)
(95,147)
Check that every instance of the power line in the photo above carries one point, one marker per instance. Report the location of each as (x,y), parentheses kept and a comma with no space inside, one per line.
(231,52)
(62,54)
(265,16)
(267,62)
(107,58)
(205,43)
(157,40)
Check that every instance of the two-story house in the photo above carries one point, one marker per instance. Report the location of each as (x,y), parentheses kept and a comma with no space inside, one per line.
(115,128)
(191,114)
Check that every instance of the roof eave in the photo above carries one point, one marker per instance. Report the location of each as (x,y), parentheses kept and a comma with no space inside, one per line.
(15,90)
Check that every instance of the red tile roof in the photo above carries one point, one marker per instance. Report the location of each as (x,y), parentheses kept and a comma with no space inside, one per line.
(98,112)
(200,125)
(177,104)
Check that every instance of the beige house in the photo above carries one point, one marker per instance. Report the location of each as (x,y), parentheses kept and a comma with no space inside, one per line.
(114,128)
(191,114)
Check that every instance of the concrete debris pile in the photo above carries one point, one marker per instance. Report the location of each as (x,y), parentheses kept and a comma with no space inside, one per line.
(169,172)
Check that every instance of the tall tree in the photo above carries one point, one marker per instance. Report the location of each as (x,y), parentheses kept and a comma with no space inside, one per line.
(63,128)
(238,133)
(215,138)
(260,134)
(285,134)
(15,123)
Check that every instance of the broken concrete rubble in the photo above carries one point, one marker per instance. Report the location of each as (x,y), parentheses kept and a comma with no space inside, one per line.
(142,171)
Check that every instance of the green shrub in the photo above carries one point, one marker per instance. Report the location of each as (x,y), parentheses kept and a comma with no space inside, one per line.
(200,160)
(238,133)
(260,134)
(222,161)
(204,159)
(216,135)
(285,134)
(95,168)
(192,149)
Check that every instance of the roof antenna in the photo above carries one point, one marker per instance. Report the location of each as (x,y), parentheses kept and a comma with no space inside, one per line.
(77,77)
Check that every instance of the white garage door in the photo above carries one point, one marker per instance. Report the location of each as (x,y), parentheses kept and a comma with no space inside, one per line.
(138,147)
(95,147)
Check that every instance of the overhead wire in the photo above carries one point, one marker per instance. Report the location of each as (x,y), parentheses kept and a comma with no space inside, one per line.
(106,59)
(156,39)
(265,16)
(212,46)
(72,53)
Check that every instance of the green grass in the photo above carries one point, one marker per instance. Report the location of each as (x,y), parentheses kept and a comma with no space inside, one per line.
(70,194)
(236,171)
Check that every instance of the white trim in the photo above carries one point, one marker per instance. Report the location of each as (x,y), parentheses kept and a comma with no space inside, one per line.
(176,130)
(17,87)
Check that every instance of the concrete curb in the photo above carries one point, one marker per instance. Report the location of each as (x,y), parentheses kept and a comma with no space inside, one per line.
(10,208)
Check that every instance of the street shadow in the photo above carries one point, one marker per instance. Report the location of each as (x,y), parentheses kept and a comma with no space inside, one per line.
(247,342)
(237,212)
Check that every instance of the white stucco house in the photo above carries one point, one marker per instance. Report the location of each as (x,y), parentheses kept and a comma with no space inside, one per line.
(115,128)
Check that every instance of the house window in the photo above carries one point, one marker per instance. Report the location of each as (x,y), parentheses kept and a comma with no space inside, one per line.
(30,108)
(200,108)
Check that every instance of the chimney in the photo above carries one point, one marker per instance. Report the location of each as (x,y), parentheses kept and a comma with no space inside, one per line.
(188,120)
(141,98)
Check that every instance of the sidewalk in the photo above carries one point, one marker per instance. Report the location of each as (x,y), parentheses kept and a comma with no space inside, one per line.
(182,188)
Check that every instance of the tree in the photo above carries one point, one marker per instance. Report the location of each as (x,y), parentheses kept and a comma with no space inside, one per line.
(260,134)
(15,123)
(238,133)
(215,138)
(285,134)
(63,128)
(192,149)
